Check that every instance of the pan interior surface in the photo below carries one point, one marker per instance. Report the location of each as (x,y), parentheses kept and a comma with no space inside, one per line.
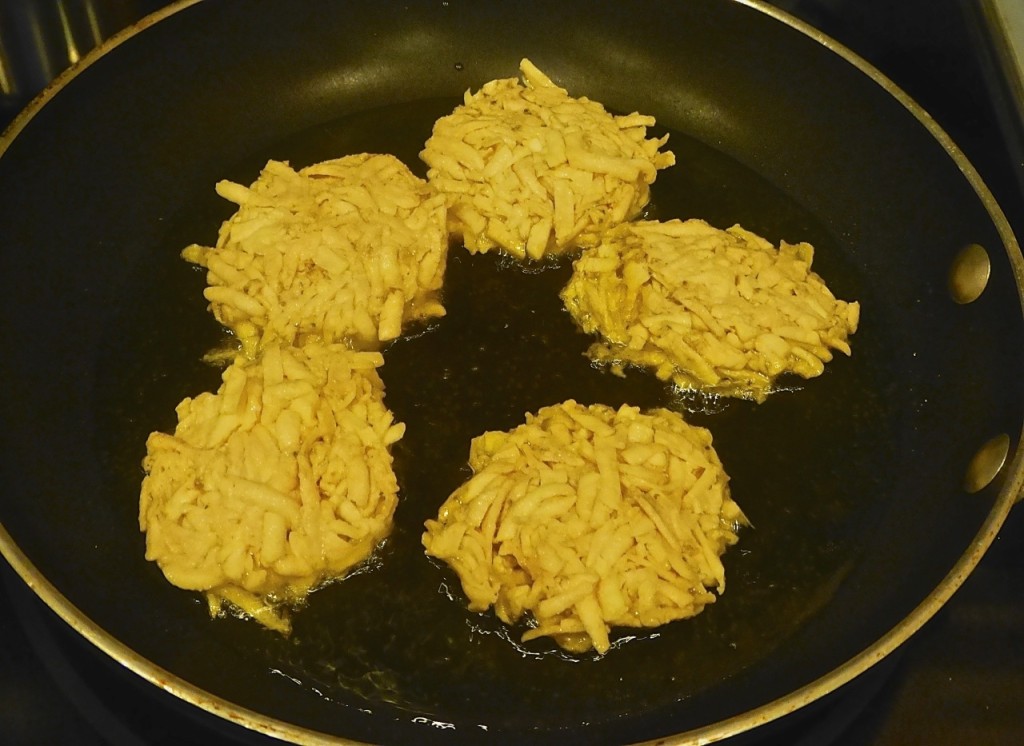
(852,481)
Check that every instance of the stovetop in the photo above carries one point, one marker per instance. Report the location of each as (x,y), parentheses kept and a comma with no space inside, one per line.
(960,680)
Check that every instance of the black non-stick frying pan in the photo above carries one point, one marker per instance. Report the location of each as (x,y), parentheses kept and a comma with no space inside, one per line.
(873,490)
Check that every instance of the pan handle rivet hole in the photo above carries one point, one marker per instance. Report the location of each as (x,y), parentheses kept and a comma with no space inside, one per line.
(986,463)
(968,276)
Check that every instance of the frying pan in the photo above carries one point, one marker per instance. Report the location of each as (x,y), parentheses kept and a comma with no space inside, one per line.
(873,491)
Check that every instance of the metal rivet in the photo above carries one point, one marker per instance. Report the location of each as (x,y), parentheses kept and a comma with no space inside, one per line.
(969,273)
(986,463)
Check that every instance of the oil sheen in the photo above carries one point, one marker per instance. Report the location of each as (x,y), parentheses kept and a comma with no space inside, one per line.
(397,638)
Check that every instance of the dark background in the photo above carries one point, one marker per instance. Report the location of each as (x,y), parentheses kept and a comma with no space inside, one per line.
(960,680)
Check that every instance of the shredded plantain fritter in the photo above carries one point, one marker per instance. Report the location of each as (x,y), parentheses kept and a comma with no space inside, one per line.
(533,171)
(344,250)
(276,483)
(721,311)
(588,518)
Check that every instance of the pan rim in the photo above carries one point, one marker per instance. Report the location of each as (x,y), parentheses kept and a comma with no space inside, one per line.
(1010,491)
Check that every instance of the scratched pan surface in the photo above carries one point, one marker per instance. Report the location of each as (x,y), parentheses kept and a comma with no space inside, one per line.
(861,527)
